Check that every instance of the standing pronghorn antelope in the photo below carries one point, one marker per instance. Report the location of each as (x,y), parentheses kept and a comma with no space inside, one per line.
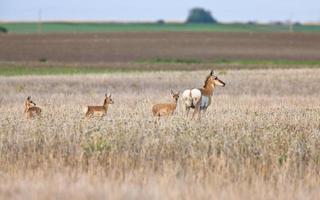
(200,99)
(99,110)
(30,108)
(165,109)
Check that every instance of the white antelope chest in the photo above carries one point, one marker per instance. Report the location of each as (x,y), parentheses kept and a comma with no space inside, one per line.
(205,101)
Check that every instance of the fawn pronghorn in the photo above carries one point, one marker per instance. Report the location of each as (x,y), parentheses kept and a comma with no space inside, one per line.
(99,110)
(200,99)
(165,109)
(30,108)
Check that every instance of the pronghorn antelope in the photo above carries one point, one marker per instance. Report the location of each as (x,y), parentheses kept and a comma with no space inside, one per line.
(99,110)
(165,109)
(30,108)
(200,99)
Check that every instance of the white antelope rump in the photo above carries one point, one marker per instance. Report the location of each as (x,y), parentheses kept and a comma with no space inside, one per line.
(99,110)
(200,99)
(30,108)
(165,109)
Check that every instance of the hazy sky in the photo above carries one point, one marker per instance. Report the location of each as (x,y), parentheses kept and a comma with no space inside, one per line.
(169,10)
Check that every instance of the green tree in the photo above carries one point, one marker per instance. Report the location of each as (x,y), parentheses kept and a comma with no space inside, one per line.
(3,30)
(200,15)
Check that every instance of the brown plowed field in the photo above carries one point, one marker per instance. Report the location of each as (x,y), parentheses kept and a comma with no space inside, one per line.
(128,47)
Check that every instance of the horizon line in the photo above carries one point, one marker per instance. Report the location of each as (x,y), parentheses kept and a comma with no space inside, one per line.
(153,21)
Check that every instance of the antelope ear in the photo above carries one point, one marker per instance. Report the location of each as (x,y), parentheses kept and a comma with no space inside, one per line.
(29,97)
(106,95)
(211,73)
(110,95)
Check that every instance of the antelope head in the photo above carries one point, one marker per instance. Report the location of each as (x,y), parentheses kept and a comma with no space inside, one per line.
(214,80)
(30,101)
(175,96)
(108,99)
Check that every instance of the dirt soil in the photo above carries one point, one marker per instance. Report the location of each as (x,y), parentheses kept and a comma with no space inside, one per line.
(137,46)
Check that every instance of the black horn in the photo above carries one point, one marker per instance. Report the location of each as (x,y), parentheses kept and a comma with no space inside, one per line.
(211,73)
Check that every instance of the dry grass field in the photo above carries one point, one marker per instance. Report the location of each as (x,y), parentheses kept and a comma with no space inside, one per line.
(260,139)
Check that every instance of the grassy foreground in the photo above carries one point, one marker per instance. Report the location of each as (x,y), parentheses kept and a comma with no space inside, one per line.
(259,139)
(56,27)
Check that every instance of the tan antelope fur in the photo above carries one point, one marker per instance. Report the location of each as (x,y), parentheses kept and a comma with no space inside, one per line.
(165,109)
(99,110)
(200,99)
(30,108)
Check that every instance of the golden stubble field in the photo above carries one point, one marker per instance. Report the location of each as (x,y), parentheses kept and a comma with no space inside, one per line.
(260,139)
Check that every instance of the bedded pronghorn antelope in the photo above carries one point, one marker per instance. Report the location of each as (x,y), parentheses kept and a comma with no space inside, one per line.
(165,109)
(99,110)
(30,108)
(200,99)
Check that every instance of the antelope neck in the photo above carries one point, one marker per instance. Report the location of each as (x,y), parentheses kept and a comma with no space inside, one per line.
(208,90)
(105,105)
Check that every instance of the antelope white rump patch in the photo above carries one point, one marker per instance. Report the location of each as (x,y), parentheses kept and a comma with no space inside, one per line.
(85,109)
(191,97)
